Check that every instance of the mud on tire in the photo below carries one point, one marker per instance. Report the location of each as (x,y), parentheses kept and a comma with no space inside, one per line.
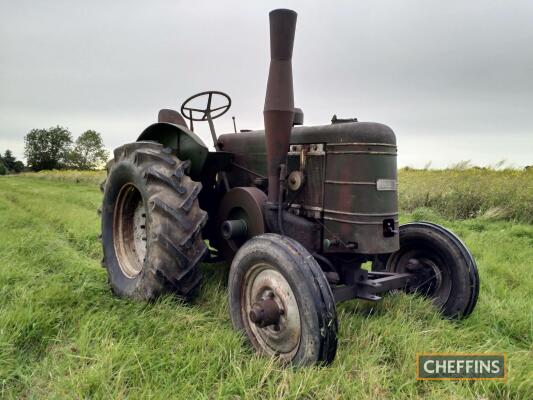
(151,223)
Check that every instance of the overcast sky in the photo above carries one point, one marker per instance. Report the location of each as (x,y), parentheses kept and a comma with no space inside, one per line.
(454,79)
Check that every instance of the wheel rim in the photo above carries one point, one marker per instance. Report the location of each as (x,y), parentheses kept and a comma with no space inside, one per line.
(129,231)
(432,271)
(262,283)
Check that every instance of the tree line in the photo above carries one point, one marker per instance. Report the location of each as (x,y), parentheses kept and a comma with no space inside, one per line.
(9,163)
(54,148)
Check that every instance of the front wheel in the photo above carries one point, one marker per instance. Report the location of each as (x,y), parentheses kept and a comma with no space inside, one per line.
(445,270)
(280,298)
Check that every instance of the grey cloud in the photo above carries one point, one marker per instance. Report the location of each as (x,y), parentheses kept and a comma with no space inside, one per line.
(432,70)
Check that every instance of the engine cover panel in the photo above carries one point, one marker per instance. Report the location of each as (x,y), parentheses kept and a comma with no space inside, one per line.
(360,198)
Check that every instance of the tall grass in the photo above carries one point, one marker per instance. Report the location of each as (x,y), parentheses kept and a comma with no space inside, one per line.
(70,176)
(460,193)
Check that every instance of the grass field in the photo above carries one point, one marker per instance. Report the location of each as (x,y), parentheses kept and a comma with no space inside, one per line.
(484,193)
(64,335)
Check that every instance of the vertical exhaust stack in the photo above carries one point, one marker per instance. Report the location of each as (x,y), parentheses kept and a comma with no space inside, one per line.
(279,100)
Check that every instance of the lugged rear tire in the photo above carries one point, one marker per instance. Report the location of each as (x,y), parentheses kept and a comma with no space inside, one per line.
(151,224)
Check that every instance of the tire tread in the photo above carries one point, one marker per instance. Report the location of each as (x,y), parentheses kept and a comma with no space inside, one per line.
(176,244)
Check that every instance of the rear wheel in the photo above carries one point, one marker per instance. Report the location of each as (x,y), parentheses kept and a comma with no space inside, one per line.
(151,223)
(445,270)
(280,298)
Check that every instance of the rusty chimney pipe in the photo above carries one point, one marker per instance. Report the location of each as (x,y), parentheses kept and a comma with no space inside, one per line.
(279,101)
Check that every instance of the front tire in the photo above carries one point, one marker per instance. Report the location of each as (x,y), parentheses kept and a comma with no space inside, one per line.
(446,270)
(280,298)
(151,224)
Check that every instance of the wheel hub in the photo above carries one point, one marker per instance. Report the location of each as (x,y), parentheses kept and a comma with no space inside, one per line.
(129,231)
(428,273)
(265,312)
(139,232)
(271,311)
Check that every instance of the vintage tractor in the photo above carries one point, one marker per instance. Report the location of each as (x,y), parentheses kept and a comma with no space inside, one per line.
(296,211)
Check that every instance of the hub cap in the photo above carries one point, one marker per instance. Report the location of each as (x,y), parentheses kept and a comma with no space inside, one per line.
(270,312)
(129,231)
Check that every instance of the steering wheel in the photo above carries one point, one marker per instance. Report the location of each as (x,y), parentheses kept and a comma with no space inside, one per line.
(207,112)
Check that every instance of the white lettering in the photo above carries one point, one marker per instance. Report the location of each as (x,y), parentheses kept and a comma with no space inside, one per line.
(441,366)
(429,371)
(464,366)
(484,366)
(451,366)
(496,366)
(469,365)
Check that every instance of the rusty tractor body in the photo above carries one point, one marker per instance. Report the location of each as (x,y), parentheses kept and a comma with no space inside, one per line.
(295,211)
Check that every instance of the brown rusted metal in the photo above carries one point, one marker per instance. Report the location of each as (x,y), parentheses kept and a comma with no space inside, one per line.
(350,181)
(240,203)
(249,148)
(265,313)
(171,116)
(278,329)
(308,160)
(279,99)
(129,230)
(358,205)
(234,229)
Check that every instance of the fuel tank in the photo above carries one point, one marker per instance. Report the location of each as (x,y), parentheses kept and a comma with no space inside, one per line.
(347,181)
